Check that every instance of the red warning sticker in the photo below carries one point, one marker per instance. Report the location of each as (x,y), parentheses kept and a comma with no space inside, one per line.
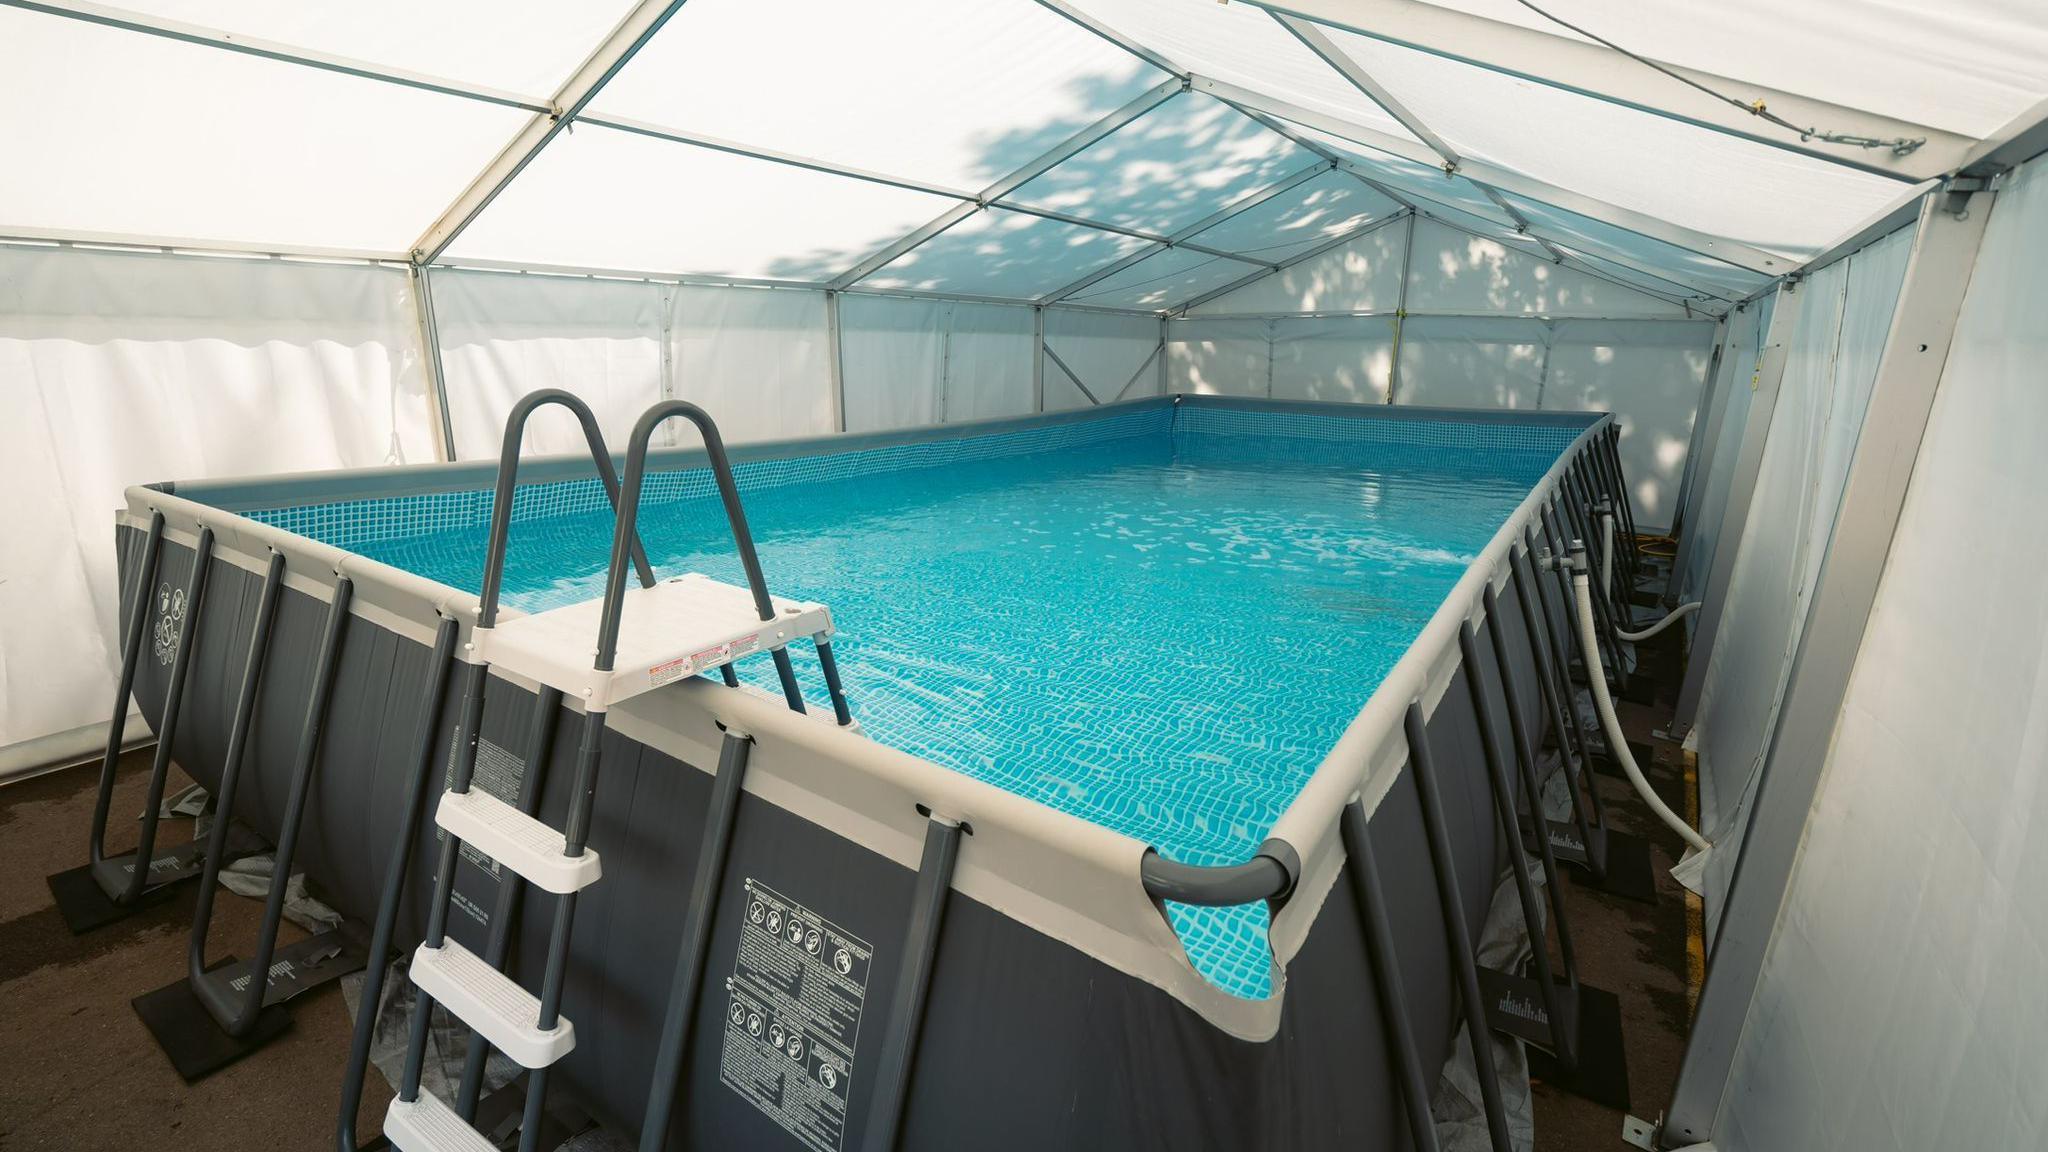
(671,670)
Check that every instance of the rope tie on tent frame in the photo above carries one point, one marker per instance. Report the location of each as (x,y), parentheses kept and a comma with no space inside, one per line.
(1899,145)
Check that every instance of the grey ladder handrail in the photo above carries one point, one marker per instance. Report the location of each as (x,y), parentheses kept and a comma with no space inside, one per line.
(508,484)
(736,519)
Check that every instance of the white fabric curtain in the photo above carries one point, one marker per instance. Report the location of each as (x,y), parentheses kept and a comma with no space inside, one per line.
(1741,360)
(1898,1001)
(1652,375)
(1105,349)
(988,361)
(1339,358)
(758,359)
(1830,367)
(1649,372)
(503,336)
(122,369)
(892,360)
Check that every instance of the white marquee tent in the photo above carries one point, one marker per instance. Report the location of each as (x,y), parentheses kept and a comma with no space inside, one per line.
(243,237)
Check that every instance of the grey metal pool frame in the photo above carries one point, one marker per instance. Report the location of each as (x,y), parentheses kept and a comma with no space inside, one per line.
(1085,901)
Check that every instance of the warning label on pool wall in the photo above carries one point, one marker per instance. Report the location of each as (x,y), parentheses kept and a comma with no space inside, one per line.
(792,1016)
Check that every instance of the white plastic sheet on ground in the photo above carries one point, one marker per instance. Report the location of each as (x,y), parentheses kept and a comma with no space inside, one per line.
(1830,366)
(1898,1005)
(123,369)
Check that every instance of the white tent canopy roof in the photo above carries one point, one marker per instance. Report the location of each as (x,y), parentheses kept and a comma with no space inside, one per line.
(1128,154)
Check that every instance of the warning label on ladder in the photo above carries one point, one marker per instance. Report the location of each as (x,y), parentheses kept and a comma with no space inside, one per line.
(792,1016)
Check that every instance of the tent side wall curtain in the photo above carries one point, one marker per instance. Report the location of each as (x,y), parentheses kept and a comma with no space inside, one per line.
(504,335)
(123,369)
(1649,372)
(1740,362)
(1105,350)
(1829,371)
(757,359)
(1895,1005)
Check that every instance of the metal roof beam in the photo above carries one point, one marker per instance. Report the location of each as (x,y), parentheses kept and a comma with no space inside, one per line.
(1599,73)
(603,63)
(1313,37)
(1488,175)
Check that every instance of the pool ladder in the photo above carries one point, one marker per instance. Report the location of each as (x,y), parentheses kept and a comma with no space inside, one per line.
(671,629)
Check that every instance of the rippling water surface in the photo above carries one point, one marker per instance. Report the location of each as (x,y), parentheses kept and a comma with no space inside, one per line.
(1163,635)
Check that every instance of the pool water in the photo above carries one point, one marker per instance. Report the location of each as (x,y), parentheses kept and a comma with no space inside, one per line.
(1162,632)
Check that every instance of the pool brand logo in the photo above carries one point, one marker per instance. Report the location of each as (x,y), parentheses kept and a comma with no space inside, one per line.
(170,615)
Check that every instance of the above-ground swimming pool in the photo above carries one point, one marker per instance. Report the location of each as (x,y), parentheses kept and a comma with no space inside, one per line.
(1159,621)
(1189,626)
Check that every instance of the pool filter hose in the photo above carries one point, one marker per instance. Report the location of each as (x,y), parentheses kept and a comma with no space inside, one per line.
(1688,870)
(1677,614)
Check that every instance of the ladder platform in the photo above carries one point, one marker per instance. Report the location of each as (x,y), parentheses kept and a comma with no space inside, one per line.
(427,1125)
(680,627)
(516,840)
(492,1003)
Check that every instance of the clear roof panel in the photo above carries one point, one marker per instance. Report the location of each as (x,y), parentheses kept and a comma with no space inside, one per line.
(137,134)
(1244,45)
(1178,163)
(1001,253)
(1315,211)
(1695,177)
(1169,278)
(1967,66)
(933,90)
(524,46)
(601,198)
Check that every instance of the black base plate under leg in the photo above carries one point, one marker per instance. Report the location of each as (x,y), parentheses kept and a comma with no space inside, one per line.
(1630,874)
(1600,1073)
(85,908)
(195,1044)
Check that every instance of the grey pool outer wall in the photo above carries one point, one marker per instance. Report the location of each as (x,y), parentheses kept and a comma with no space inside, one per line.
(1029,876)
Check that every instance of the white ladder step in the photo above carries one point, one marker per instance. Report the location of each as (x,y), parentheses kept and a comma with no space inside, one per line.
(492,1003)
(516,840)
(427,1125)
(682,626)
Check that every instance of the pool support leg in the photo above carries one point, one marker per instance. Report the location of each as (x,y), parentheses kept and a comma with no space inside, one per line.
(1571,755)
(913,983)
(175,1014)
(1386,972)
(706,882)
(104,890)
(1597,1067)
(1553,1031)
(237,1010)
(393,893)
(1457,931)
(1626,870)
